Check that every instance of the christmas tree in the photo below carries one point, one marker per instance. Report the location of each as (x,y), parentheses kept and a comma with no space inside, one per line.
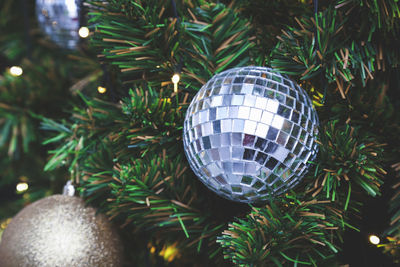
(109,115)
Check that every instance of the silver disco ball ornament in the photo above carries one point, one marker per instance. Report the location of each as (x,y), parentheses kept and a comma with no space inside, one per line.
(249,133)
(59,20)
(60,231)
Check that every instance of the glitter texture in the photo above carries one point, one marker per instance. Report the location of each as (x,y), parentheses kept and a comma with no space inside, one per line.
(59,19)
(60,231)
(249,133)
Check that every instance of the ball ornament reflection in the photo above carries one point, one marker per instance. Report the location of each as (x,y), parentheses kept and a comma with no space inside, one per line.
(59,20)
(249,134)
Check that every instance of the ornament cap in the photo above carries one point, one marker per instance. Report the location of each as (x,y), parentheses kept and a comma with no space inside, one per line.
(69,189)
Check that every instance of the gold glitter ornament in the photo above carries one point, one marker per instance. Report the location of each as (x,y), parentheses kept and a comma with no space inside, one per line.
(60,231)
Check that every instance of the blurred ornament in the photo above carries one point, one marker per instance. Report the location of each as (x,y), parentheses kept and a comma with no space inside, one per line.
(249,132)
(59,230)
(60,19)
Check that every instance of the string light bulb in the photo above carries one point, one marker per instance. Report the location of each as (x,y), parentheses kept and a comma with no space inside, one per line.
(22,187)
(170,252)
(83,32)
(175,80)
(374,239)
(16,71)
(101,89)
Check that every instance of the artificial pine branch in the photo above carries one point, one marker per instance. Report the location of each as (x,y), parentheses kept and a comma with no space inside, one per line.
(286,231)
(392,243)
(149,44)
(128,157)
(379,15)
(329,52)
(347,159)
(146,184)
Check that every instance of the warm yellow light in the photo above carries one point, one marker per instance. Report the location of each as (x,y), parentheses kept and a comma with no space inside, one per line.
(16,71)
(4,223)
(374,239)
(175,79)
(22,187)
(101,89)
(169,253)
(83,32)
